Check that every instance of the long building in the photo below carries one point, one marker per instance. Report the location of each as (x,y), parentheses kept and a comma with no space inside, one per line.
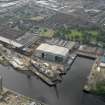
(52,52)
(16,38)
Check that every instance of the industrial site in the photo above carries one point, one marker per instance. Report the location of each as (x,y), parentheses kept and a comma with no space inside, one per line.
(52,52)
(48,58)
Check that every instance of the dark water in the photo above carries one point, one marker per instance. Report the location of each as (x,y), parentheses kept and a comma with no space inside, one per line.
(69,92)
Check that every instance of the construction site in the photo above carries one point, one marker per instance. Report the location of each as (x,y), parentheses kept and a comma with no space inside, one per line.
(47,57)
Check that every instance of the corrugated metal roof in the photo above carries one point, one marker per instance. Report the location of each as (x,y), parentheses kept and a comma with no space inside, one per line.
(10,33)
(53,49)
(11,42)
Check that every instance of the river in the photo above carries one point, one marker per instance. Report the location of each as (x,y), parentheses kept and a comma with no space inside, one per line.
(68,92)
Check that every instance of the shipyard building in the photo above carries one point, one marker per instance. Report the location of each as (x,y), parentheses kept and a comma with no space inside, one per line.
(52,53)
(17,39)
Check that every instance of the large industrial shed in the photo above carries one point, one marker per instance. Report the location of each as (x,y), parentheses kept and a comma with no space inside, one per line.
(52,52)
(10,42)
(16,38)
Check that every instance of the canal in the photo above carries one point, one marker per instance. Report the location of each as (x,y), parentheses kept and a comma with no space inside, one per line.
(68,92)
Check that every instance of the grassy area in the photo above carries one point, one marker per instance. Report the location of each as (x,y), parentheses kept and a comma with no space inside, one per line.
(94,34)
(36,18)
(74,34)
(32,18)
(100,88)
(46,32)
(80,34)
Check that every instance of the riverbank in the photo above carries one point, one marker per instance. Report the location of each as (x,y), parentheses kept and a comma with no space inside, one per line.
(9,97)
(50,72)
(68,92)
(96,79)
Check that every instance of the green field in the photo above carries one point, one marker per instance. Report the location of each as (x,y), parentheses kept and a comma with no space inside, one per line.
(46,32)
(79,34)
(74,34)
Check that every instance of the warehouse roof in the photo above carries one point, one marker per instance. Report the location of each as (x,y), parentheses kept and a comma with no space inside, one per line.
(53,49)
(17,38)
(10,33)
(3,39)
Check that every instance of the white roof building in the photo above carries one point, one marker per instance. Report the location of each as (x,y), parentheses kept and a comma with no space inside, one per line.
(44,47)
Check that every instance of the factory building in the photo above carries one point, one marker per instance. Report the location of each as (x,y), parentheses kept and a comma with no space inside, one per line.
(52,52)
(16,38)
